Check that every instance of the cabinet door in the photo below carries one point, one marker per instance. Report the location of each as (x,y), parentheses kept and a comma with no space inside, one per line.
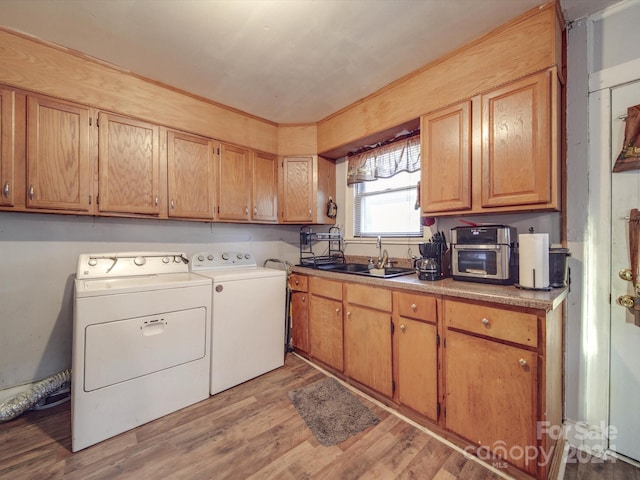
(265,187)
(418,366)
(325,331)
(58,163)
(445,183)
(367,337)
(129,162)
(190,176)
(516,149)
(300,321)
(234,180)
(491,392)
(7,146)
(297,189)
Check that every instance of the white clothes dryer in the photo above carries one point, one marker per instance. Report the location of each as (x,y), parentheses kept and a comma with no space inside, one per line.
(248,321)
(141,333)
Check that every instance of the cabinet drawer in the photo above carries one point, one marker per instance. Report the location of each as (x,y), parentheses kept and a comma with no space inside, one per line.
(367,296)
(325,288)
(504,324)
(298,283)
(414,305)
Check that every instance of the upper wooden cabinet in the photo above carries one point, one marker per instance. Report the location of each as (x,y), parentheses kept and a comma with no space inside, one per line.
(264,187)
(498,152)
(306,184)
(129,166)
(190,176)
(59,170)
(7,147)
(446,159)
(233,183)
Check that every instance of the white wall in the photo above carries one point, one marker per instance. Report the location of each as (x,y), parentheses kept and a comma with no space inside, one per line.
(601,41)
(38,255)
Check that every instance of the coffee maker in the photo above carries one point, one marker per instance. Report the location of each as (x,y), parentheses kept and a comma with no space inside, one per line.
(434,262)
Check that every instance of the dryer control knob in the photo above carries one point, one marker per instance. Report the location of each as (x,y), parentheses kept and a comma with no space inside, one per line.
(166,260)
(210,257)
(239,256)
(247,256)
(201,258)
(93,262)
(225,256)
(139,261)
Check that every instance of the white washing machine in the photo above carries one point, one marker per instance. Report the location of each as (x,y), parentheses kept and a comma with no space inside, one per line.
(248,321)
(141,332)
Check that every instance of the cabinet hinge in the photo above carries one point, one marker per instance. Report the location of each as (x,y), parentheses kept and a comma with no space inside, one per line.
(444,342)
(438,410)
(97,121)
(98,199)
(393,328)
(393,386)
(218,150)
(437,340)
(90,121)
(89,199)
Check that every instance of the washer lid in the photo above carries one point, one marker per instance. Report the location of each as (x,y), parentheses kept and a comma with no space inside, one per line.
(93,287)
(241,273)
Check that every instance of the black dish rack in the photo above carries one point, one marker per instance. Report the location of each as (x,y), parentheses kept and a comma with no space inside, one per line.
(331,255)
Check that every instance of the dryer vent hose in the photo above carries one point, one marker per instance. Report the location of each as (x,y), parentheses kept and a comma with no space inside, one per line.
(38,392)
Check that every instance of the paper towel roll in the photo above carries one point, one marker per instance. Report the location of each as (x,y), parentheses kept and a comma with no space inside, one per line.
(534,260)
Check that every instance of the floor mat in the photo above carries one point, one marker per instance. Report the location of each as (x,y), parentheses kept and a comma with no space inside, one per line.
(331,411)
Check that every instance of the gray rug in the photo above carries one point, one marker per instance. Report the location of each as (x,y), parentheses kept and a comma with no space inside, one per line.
(331,411)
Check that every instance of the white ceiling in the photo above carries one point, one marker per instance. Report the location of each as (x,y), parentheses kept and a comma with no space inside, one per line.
(288,61)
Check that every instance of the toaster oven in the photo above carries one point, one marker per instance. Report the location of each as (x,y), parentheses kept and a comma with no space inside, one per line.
(486,254)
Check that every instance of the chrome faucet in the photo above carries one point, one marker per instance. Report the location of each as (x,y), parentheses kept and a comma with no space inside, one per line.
(379,246)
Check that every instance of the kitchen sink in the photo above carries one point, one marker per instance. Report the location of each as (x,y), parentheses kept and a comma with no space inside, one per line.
(363,269)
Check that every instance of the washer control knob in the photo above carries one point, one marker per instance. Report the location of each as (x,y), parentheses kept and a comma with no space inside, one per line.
(139,261)
(225,256)
(201,258)
(247,256)
(210,257)
(93,262)
(239,256)
(165,260)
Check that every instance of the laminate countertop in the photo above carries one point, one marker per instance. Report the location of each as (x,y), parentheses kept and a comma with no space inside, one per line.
(501,294)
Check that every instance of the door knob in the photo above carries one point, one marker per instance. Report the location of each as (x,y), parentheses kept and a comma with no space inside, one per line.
(626,274)
(403,328)
(626,301)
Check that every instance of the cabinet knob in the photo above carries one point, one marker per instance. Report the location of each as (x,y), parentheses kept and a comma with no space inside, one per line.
(246,210)
(304,299)
(173,204)
(522,362)
(309,212)
(155,200)
(31,192)
(5,190)
(255,210)
(297,282)
(485,322)
(338,310)
(348,314)
(403,328)
(414,307)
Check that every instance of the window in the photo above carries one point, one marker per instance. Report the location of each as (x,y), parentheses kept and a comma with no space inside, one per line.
(385,193)
(386,207)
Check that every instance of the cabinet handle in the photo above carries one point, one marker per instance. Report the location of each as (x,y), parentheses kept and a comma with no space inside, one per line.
(31,192)
(304,298)
(414,307)
(246,210)
(5,190)
(348,313)
(309,212)
(522,362)
(255,210)
(485,322)
(156,200)
(403,328)
(297,282)
(337,311)
(173,204)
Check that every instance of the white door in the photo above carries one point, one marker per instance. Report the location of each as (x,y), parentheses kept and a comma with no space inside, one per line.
(624,414)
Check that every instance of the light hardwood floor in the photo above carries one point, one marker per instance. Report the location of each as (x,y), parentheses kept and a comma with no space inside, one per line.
(251,431)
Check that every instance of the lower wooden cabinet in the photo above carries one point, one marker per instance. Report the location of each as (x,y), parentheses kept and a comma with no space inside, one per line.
(416,352)
(325,322)
(299,312)
(491,396)
(367,337)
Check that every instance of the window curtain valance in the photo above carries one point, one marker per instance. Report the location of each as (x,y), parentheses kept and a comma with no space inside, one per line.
(384,161)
